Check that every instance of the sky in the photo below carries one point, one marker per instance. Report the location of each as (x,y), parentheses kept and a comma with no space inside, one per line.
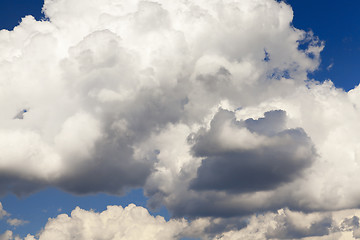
(197,119)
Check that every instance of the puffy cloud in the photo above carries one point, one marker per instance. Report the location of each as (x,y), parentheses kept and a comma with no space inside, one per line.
(134,222)
(84,89)
(326,184)
(131,222)
(205,104)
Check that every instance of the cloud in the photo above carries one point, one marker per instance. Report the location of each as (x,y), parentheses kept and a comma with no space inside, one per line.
(11,221)
(92,83)
(299,225)
(16,222)
(206,105)
(3,213)
(331,65)
(9,235)
(131,222)
(251,155)
(287,224)
(326,184)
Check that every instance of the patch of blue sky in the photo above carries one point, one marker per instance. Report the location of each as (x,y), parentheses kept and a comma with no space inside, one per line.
(11,12)
(49,203)
(337,24)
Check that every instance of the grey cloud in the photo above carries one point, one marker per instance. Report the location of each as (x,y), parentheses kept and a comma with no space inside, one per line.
(21,114)
(20,185)
(350,223)
(111,169)
(214,82)
(206,205)
(219,225)
(271,124)
(287,224)
(287,229)
(264,167)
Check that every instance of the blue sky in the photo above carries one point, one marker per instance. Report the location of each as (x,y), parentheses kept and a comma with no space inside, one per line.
(13,11)
(38,207)
(334,22)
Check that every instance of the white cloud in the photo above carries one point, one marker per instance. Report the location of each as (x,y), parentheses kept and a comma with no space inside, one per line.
(98,79)
(134,222)
(131,222)
(117,90)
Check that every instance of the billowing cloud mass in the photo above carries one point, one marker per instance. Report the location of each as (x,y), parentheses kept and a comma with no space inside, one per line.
(134,222)
(207,105)
(131,222)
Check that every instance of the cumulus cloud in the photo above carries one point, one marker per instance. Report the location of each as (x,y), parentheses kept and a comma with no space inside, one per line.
(131,222)
(92,83)
(205,104)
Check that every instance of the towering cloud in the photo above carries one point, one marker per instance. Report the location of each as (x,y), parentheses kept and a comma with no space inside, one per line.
(85,88)
(205,104)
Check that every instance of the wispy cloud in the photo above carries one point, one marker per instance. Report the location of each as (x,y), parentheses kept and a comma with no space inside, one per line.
(16,222)
(3,213)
